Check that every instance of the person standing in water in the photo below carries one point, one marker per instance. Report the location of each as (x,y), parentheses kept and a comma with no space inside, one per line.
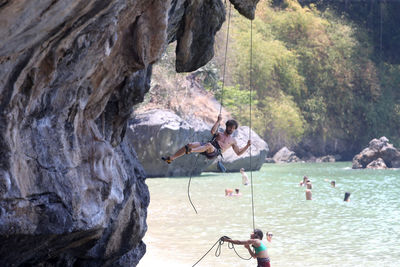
(346,197)
(245,178)
(308,194)
(260,249)
(304,182)
(308,184)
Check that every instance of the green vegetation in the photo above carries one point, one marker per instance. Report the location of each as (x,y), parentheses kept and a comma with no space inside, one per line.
(315,75)
(380,18)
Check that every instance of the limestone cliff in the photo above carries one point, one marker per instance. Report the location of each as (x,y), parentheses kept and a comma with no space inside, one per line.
(72,192)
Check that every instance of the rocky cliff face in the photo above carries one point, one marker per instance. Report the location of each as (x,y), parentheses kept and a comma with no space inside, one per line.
(71,190)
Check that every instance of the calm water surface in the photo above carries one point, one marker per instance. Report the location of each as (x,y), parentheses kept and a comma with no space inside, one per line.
(323,232)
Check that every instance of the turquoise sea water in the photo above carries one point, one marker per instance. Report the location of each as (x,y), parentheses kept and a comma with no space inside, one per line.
(325,231)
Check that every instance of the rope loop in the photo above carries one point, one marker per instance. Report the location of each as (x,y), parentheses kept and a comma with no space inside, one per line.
(217,253)
(231,246)
(218,250)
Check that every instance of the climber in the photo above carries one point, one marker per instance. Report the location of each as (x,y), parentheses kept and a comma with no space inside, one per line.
(219,143)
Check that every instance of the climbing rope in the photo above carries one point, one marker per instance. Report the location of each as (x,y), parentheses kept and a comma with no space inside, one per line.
(219,241)
(222,96)
(218,250)
(225,56)
(190,179)
(251,90)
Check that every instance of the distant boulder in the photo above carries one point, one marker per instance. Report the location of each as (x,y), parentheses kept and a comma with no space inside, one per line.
(284,155)
(378,148)
(377,164)
(269,160)
(327,158)
(158,133)
(233,163)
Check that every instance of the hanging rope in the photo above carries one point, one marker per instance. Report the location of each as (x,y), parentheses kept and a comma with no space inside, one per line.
(218,250)
(190,179)
(219,241)
(226,51)
(251,89)
(222,96)
(380,32)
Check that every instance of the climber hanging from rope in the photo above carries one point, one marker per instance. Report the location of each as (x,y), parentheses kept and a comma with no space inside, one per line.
(216,146)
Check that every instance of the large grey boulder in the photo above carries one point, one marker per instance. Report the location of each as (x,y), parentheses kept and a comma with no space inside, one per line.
(284,155)
(378,148)
(158,133)
(233,163)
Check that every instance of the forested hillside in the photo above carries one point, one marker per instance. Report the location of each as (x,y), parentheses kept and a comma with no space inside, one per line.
(322,83)
(380,18)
